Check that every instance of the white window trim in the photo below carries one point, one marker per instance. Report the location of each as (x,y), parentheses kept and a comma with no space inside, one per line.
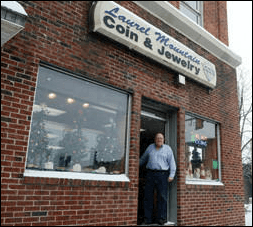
(203,182)
(74,175)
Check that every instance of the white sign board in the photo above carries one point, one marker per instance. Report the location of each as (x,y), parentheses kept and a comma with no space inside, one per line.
(121,25)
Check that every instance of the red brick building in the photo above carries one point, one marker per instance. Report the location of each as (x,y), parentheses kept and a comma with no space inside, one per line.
(86,85)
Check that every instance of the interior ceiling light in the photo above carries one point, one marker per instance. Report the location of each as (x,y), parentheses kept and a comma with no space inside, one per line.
(86,105)
(70,100)
(52,96)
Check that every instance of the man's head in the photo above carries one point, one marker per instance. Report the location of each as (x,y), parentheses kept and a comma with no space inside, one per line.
(159,140)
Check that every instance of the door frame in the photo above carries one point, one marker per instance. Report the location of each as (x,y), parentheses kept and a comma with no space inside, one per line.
(170,139)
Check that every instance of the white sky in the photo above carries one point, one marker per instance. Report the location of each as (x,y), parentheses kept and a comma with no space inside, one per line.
(240,30)
(240,42)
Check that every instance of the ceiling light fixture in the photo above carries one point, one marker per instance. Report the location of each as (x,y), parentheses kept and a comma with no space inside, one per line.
(70,100)
(86,105)
(52,96)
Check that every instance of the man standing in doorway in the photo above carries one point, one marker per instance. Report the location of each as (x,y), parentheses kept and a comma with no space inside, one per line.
(161,169)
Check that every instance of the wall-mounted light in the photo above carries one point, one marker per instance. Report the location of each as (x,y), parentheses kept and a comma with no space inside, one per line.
(181,79)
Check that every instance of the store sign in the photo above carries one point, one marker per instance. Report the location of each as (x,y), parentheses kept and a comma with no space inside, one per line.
(121,25)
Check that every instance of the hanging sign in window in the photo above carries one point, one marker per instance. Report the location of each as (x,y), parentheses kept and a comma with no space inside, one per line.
(121,25)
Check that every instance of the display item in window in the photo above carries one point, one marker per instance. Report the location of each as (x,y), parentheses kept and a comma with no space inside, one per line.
(77,168)
(101,169)
(196,160)
(208,174)
(196,173)
(202,172)
(189,171)
(39,153)
(49,165)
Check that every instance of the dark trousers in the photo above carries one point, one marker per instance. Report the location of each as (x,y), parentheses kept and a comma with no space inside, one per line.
(158,180)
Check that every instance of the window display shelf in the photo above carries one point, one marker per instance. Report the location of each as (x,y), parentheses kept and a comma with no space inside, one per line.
(74,175)
(203,182)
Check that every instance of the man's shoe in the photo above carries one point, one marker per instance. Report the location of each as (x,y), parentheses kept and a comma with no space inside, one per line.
(146,223)
(161,222)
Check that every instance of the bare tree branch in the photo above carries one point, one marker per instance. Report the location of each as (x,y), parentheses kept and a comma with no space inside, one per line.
(245,109)
(244,120)
(245,145)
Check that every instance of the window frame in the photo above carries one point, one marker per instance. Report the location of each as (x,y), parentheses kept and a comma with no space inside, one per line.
(83,175)
(198,12)
(204,181)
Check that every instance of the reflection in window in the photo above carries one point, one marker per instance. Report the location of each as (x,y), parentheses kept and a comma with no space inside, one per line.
(193,10)
(201,149)
(77,126)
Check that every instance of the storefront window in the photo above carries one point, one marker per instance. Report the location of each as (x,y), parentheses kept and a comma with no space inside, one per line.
(201,149)
(77,126)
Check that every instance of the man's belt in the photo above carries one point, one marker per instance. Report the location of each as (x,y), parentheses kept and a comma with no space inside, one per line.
(158,170)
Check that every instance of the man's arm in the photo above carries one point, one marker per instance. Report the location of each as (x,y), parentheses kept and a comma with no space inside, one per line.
(172,165)
(144,157)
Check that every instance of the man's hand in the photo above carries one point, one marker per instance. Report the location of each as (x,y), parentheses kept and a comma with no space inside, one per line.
(170,179)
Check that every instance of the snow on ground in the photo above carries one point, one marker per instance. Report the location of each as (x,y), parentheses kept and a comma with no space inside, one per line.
(248,214)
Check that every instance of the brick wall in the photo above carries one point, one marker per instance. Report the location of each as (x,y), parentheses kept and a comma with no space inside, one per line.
(57,33)
(215,19)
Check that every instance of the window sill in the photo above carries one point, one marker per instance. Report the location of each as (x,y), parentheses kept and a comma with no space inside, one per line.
(76,176)
(203,182)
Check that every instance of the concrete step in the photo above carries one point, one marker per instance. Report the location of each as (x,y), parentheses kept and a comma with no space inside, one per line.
(169,223)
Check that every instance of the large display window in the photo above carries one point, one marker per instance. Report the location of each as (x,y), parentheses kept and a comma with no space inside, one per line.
(201,149)
(77,126)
